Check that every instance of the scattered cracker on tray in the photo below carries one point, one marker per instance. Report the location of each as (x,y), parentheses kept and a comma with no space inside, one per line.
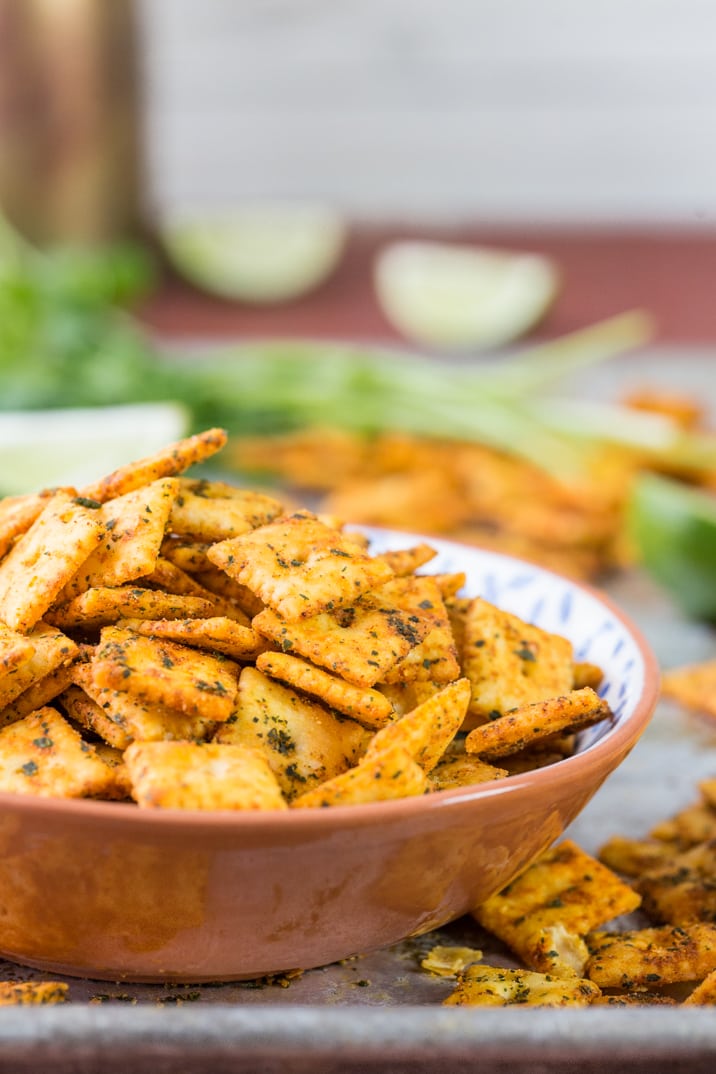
(32,993)
(551,916)
(693,686)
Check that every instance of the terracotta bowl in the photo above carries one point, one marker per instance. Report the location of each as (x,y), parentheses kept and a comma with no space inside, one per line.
(108,891)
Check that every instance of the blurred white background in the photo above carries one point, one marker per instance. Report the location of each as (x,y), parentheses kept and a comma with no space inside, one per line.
(500,110)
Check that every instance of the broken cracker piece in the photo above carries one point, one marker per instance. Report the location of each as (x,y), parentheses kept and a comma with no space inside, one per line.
(404,561)
(446,961)
(487,986)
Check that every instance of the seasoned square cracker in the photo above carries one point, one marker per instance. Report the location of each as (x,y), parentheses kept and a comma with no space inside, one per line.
(429,498)
(536,723)
(511,663)
(190,775)
(217,634)
(586,674)
(464,771)
(300,567)
(225,589)
(32,993)
(43,755)
(166,673)
(708,792)
(632,857)
(644,957)
(480,985)
(17,513)
(39,694)
(303,742)
(52,649)
(693,686)
(15,649)
(134,530)
(168,462)
(544,914)
(434,659)
(215,511)
(690,826)
(172,579)
(387,775)
(119,718)
(45,558)
(634,999)
(191,556)
(103,605)
(682,890)
(362,643)
(121,788)
(704,995)
(529,760)
(426,732)
(368,707)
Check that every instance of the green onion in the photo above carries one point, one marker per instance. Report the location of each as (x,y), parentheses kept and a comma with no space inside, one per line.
(65,341)
(674,528)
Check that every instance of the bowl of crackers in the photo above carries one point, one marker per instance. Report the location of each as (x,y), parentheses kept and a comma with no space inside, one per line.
(238,740)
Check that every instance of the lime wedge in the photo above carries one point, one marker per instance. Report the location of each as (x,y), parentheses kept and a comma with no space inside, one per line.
(460,297)
(42,448)
(674,529)
(262,253)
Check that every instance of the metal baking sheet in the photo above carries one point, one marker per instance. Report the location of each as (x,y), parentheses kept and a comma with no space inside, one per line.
(381,1012)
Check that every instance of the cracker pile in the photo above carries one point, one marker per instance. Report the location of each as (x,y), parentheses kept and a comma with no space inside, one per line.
(552,917)
(466,491)
(186,644)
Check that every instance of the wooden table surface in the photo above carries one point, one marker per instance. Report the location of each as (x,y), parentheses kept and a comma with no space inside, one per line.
(670,273)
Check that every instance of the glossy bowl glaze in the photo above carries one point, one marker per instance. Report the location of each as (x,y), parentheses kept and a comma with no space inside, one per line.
(109,891)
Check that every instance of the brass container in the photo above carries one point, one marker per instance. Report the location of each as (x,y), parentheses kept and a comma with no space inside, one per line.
(70,161)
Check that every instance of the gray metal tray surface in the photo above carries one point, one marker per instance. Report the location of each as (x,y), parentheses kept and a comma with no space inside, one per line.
(381,1012)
